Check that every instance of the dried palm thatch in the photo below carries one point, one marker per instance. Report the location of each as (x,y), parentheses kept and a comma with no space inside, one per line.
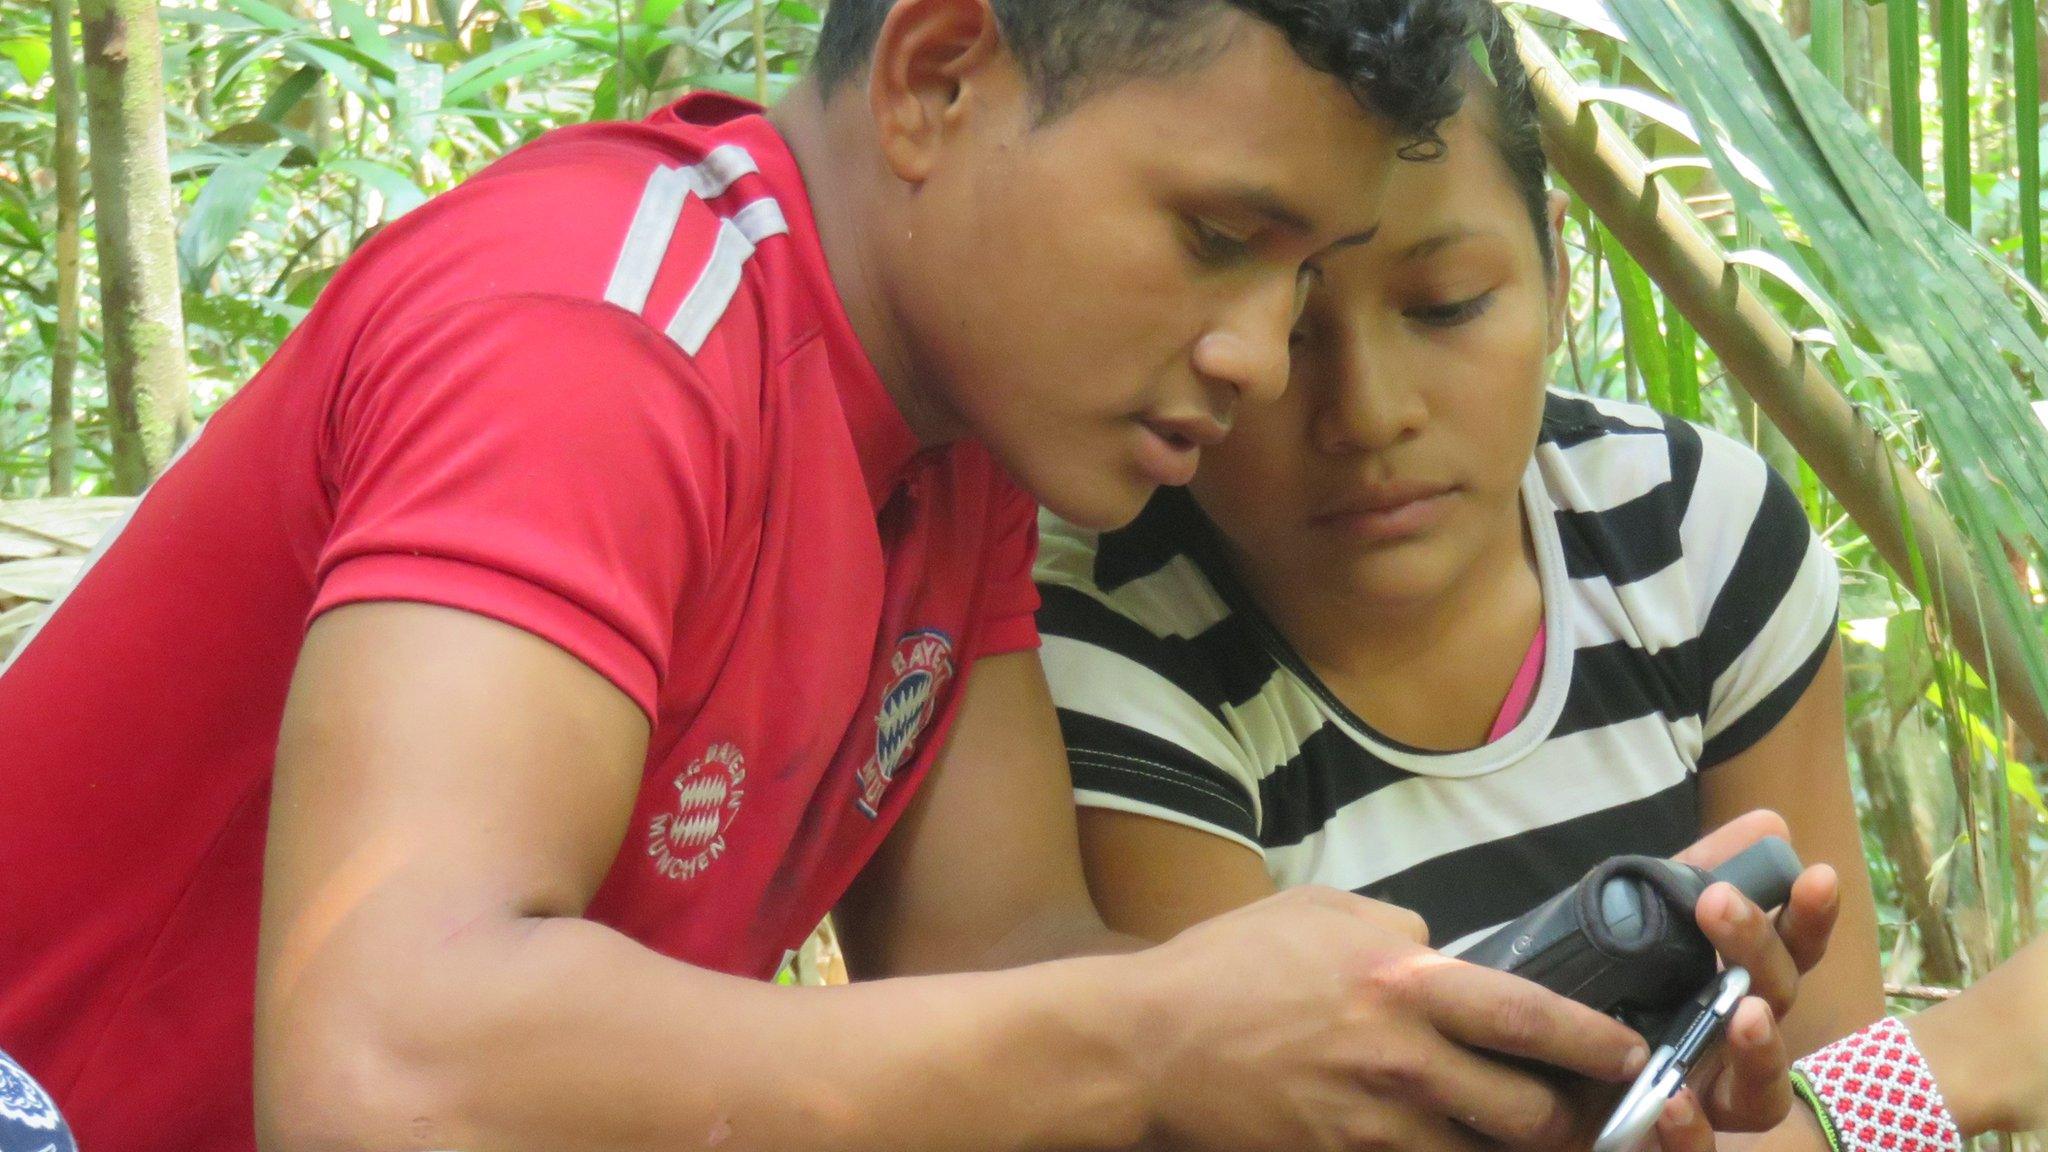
(43,546)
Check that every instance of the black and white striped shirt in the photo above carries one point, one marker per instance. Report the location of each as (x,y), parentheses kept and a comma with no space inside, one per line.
(1688,605)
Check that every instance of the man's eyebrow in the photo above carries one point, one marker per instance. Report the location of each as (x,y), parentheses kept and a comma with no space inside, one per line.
(1277,212)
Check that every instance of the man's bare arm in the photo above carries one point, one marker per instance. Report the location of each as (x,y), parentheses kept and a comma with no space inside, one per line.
(449,793)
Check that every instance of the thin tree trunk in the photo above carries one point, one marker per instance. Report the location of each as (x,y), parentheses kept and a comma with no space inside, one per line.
(137,237)
(64,357)
(315,113)
(1891,810)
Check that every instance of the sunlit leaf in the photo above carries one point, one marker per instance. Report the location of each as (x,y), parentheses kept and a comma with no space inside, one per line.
(31,56)
(366,36)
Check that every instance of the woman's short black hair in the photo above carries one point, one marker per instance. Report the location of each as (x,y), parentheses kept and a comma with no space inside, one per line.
(1514,126)
(1402,59)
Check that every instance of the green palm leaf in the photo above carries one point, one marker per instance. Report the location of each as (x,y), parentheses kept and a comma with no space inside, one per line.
(1919,286)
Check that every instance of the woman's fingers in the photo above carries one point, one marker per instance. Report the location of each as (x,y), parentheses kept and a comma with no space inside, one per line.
(1752,1090)
(1683,1127)
(1808,918)
(1747,938)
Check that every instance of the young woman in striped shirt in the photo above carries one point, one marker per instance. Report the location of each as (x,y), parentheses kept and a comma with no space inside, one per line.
(1431,631)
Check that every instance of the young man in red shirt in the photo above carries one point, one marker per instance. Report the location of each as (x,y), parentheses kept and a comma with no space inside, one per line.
(622,566)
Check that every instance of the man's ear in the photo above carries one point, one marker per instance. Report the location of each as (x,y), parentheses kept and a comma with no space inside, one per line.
(929,57)
(1561,270)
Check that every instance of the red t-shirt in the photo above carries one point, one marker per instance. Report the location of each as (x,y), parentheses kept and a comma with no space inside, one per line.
(605,392)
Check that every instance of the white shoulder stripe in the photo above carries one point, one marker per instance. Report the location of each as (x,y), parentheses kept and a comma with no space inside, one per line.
(761,219)
(720,280)
(719,170)
(654,225)
(661,206)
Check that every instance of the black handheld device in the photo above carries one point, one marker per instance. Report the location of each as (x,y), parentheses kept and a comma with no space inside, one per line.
(1692,1031)
(1624,940)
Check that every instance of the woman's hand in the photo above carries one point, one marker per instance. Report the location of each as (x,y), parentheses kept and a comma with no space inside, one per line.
(1743,1085)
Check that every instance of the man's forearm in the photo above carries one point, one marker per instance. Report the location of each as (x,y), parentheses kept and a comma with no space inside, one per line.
(573,1037)
(1059,935)
(1988,1048)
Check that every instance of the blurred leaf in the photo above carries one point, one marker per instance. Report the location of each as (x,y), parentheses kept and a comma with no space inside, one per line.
(295,88)
(400,194)
(418,91)
(656,13)
(23,223)
(1774,266)
(501,65)
(248,134)
(450,13)
(1908,663)
(366,36)
(1643,340)
(1584,13)
(31,55)
(2020,779)
(222,209)
(266,14)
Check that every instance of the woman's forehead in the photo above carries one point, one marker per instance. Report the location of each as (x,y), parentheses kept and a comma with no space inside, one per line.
(1464,194)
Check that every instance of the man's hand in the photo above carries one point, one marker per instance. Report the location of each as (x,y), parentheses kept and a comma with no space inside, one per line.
(1319,1019)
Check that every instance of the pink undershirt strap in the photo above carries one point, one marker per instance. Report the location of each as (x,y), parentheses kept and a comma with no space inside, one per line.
(1522,691)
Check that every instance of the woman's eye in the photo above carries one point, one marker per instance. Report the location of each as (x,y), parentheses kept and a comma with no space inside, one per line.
(1451,313)
(1214,246)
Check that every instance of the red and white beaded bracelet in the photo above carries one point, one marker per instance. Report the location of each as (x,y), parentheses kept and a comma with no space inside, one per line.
(1873,1092)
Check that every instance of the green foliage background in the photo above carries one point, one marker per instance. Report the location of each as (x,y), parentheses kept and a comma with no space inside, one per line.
(299,126)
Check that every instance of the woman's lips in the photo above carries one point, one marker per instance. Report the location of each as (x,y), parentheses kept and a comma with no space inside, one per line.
(1390,513)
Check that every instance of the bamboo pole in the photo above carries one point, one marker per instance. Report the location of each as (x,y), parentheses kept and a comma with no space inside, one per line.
(1952,34)
(2026,103)
(64,163)
(760,16)
(1791,386)
(1902,43)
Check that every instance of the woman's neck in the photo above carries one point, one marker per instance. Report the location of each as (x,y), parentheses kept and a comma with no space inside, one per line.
(1428,671)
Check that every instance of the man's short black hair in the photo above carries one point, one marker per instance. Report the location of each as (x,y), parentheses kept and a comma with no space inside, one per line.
(1400,58)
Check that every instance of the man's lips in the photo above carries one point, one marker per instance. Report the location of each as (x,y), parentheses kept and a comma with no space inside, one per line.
(1187,431)
(1169,448)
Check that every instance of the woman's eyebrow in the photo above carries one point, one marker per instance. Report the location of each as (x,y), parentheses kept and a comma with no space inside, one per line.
(1431,245)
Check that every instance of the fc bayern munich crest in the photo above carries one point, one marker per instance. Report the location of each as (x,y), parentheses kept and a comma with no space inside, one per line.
(687,840)
(918,671)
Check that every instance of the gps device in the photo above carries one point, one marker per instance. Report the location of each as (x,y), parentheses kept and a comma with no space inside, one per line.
(1624,939)
(1692,1031)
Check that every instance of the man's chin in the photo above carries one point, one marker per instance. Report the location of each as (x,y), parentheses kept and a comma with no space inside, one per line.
(1102,508)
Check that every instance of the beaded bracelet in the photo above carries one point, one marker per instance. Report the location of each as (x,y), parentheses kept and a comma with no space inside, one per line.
(1872,1092)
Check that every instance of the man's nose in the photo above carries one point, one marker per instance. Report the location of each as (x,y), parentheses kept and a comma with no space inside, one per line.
(1247,347)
